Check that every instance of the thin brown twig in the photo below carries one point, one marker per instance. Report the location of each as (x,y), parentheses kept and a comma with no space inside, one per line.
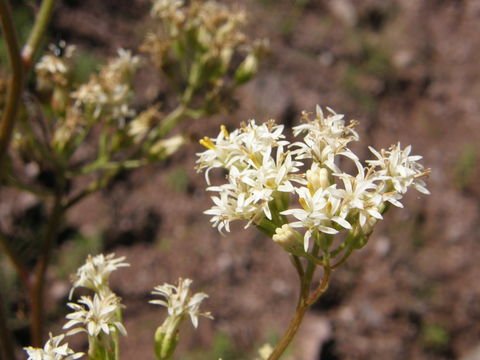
(15,82)
(6,342)
(37,288)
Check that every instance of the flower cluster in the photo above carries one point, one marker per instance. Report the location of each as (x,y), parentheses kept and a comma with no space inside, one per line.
(255,175)
(217,26)
(53,350)
(195,44)
(180,302)
(54,67)
(94,274)
(108,94)
(265,172)
(99,315)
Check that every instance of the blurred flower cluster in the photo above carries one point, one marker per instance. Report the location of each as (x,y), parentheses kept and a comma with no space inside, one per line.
(201,48)
(99,315)
(267,174)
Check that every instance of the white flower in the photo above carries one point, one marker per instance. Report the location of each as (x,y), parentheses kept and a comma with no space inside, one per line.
(121,68)
(231,206)
(99,315)
(179,302)
(243,148)
(258,169)
(400,168)
(94,274)
(325,138)
(361,194)
(264,352)
(319,211)
(223,151)
(52,350)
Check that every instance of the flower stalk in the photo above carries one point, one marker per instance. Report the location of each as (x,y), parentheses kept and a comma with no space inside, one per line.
(33,43)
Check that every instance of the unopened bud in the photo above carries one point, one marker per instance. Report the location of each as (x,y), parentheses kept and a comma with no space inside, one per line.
(317,178)
(247,69)
(167,147)
(289,239)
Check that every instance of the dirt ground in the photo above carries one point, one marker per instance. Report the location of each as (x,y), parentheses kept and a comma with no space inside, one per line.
(408,70)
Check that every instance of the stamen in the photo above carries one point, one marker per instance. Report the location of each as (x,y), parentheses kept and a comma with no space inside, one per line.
(207,142)
(224,130)
(304,204)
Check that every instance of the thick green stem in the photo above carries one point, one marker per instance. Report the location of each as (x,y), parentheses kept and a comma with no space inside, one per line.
(37,288)
(15,84)
(311,266)
(38,31)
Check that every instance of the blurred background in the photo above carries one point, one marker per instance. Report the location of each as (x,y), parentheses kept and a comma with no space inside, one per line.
(408,71)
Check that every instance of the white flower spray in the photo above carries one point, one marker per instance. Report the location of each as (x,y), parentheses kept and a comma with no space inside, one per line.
(100,315)
(299,195)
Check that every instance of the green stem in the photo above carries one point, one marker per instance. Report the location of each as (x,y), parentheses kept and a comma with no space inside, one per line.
(343,259)
(171,120)
(287,338)
(15,82)
(322,287)
(33,42)
(307,280)
(305,300)
(298,266)
(37,289)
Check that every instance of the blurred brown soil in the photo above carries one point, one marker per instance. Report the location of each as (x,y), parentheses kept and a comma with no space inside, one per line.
(408,71)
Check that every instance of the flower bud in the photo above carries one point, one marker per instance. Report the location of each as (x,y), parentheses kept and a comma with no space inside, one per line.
(247,69)
(317,178)
(166,147)
(289,239)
